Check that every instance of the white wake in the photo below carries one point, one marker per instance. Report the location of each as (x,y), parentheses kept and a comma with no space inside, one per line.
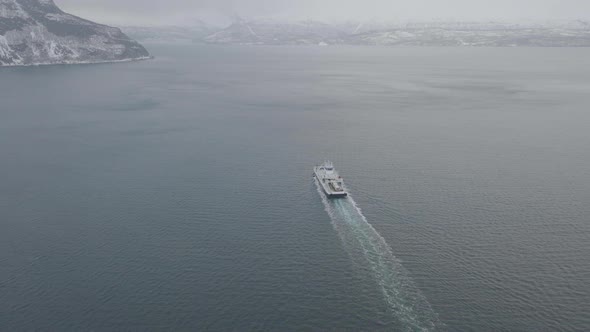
(368,249)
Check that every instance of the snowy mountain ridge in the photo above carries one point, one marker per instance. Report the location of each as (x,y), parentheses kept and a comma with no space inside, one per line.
(34,32)
(273,31)
(265,32)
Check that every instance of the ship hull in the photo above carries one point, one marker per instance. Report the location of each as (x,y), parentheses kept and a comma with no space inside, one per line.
(326,189)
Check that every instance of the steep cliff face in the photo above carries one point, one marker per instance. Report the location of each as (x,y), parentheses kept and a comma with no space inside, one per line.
(38,32)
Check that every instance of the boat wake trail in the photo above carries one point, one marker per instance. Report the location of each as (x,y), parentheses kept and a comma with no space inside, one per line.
(368,250)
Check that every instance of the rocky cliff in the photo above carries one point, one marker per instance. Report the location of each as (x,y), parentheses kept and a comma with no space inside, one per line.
(38,32)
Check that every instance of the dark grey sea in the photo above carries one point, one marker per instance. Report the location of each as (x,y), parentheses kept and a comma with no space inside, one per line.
(177,193)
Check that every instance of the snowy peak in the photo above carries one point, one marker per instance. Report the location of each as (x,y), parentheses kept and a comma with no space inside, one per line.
(271,32)
(38,32)
(433,33)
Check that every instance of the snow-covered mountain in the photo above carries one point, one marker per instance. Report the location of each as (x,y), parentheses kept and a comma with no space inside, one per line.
(38,32)
(454,33)
(547,34)
(273,32)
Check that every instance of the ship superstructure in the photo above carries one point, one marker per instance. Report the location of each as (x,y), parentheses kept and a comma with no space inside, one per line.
(331,182)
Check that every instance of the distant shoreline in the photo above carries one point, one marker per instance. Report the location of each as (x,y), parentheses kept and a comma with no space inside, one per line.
(77,62)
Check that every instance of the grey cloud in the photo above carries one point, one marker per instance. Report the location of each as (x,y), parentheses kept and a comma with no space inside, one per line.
(166,11)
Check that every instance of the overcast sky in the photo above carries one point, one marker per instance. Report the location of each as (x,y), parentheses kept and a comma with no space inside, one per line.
(180,11)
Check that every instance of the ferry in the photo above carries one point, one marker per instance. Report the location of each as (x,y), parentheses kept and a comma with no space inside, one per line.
(332,184)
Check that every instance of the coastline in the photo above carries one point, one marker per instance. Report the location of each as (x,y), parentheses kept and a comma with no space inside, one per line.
(77,62)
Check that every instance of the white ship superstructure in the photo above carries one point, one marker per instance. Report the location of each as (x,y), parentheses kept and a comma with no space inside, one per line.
(332,184)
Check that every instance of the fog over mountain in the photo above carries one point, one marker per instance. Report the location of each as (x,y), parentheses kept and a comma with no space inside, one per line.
(567,33)
(157,12)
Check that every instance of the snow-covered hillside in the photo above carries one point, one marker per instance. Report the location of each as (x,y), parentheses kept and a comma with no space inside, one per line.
(459,33)
(273,32)
(38,32)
